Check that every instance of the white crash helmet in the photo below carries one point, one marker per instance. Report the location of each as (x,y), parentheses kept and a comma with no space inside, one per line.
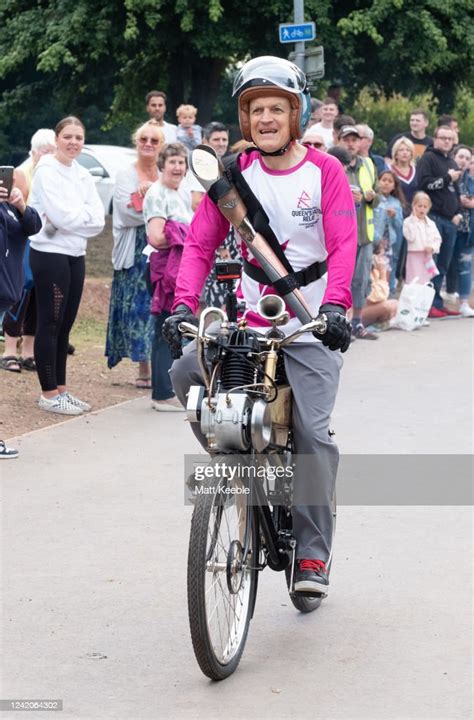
(268,75)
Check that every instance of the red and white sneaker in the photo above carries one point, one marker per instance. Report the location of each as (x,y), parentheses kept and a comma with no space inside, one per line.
(311,576)
(437,313)
(451,313)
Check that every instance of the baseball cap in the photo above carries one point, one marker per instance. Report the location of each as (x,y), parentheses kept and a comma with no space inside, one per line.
(348,130)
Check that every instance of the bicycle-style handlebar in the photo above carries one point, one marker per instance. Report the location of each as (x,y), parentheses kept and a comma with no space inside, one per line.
(318,325)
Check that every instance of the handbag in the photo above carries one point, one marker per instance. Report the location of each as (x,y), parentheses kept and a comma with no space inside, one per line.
(379,289)
(413,306)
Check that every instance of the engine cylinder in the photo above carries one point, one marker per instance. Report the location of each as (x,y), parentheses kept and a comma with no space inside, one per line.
(236,368)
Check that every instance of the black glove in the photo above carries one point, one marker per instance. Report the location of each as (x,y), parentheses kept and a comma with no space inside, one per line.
(170,329)
(338,332)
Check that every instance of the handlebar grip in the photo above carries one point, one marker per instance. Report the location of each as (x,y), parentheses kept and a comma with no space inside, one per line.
(321,323)
(187,327)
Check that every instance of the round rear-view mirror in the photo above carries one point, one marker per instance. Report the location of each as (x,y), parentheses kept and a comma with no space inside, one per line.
(205,165)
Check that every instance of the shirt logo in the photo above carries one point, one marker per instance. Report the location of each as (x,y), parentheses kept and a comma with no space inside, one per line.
(308,214)
(303,200)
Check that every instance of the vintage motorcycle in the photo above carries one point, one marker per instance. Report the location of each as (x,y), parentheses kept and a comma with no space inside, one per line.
(242,519)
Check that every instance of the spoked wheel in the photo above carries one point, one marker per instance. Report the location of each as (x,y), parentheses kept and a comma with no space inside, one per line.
(308,603)
(222,579)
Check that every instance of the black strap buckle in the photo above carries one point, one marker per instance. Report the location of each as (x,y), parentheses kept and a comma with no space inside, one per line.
(286,284)
(289,282)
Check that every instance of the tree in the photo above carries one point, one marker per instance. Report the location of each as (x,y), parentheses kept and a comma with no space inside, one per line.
(411,46)
(80,57)
(99,60)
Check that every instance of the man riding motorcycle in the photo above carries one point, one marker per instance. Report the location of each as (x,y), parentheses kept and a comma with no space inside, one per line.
(310,210)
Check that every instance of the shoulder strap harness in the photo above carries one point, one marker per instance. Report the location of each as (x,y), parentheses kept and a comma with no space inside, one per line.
(260,221)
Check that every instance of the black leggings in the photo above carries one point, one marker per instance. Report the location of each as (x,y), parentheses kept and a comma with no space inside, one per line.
(21,318)
(59,280)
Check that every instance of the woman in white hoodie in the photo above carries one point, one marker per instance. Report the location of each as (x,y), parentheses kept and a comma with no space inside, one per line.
(65,196)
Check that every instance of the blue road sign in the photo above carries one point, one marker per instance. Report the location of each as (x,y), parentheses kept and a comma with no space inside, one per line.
(291,33)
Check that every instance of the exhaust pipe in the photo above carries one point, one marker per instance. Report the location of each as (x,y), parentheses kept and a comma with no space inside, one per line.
(272,308)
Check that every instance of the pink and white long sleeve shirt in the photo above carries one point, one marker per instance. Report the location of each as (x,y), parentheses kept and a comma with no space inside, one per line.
(311,212)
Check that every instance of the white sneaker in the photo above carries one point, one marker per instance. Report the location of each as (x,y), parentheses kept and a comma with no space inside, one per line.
(59,404)
(7,453)
(85,407)
(450,297)
(171,405)
(466,310)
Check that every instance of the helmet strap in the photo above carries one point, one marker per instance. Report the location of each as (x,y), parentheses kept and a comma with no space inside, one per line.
(276,153)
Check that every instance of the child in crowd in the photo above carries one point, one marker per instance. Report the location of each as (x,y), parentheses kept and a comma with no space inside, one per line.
(423,240)
(188,132)
(388,220)
(379,309)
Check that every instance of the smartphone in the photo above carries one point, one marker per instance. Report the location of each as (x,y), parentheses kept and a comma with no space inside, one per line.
(6,177)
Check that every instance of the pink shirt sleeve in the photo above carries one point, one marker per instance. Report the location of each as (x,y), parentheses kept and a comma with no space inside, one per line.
(207,231)
(340,232)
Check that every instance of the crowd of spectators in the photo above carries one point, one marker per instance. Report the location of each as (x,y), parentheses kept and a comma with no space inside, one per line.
(415,217)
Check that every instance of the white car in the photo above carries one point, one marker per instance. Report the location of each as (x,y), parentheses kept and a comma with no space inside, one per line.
(103,163)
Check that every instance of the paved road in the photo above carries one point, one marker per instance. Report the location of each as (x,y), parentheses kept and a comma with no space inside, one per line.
(94,541)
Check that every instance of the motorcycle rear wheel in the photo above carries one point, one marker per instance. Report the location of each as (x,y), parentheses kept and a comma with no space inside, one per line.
(308,603)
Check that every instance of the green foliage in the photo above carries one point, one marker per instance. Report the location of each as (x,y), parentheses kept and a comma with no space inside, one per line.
(464,111)
(98,60)
(411,46)
(389,115)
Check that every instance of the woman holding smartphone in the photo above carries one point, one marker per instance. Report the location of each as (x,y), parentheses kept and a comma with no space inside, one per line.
(17,221)
(65,196)
(19,324)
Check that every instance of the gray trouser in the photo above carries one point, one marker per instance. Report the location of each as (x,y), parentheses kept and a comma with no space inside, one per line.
(313,373)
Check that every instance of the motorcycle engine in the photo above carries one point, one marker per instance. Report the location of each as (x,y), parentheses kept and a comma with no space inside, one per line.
(233,419)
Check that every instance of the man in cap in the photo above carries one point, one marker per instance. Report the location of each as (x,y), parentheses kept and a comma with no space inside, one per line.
(362,180)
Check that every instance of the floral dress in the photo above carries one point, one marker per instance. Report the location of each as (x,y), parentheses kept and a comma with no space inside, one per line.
(130,327)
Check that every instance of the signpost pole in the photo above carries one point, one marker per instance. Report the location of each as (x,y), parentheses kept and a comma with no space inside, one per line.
(298,10)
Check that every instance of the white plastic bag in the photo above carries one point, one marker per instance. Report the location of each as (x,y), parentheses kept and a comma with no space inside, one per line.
(413,306)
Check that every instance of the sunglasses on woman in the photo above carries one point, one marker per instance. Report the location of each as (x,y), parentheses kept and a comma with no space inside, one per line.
(144,140)
(315,144)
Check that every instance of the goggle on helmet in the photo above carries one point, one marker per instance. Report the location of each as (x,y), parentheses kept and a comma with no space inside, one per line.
(269,75)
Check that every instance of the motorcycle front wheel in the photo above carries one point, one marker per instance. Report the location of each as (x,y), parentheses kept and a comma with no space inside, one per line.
(222,576)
